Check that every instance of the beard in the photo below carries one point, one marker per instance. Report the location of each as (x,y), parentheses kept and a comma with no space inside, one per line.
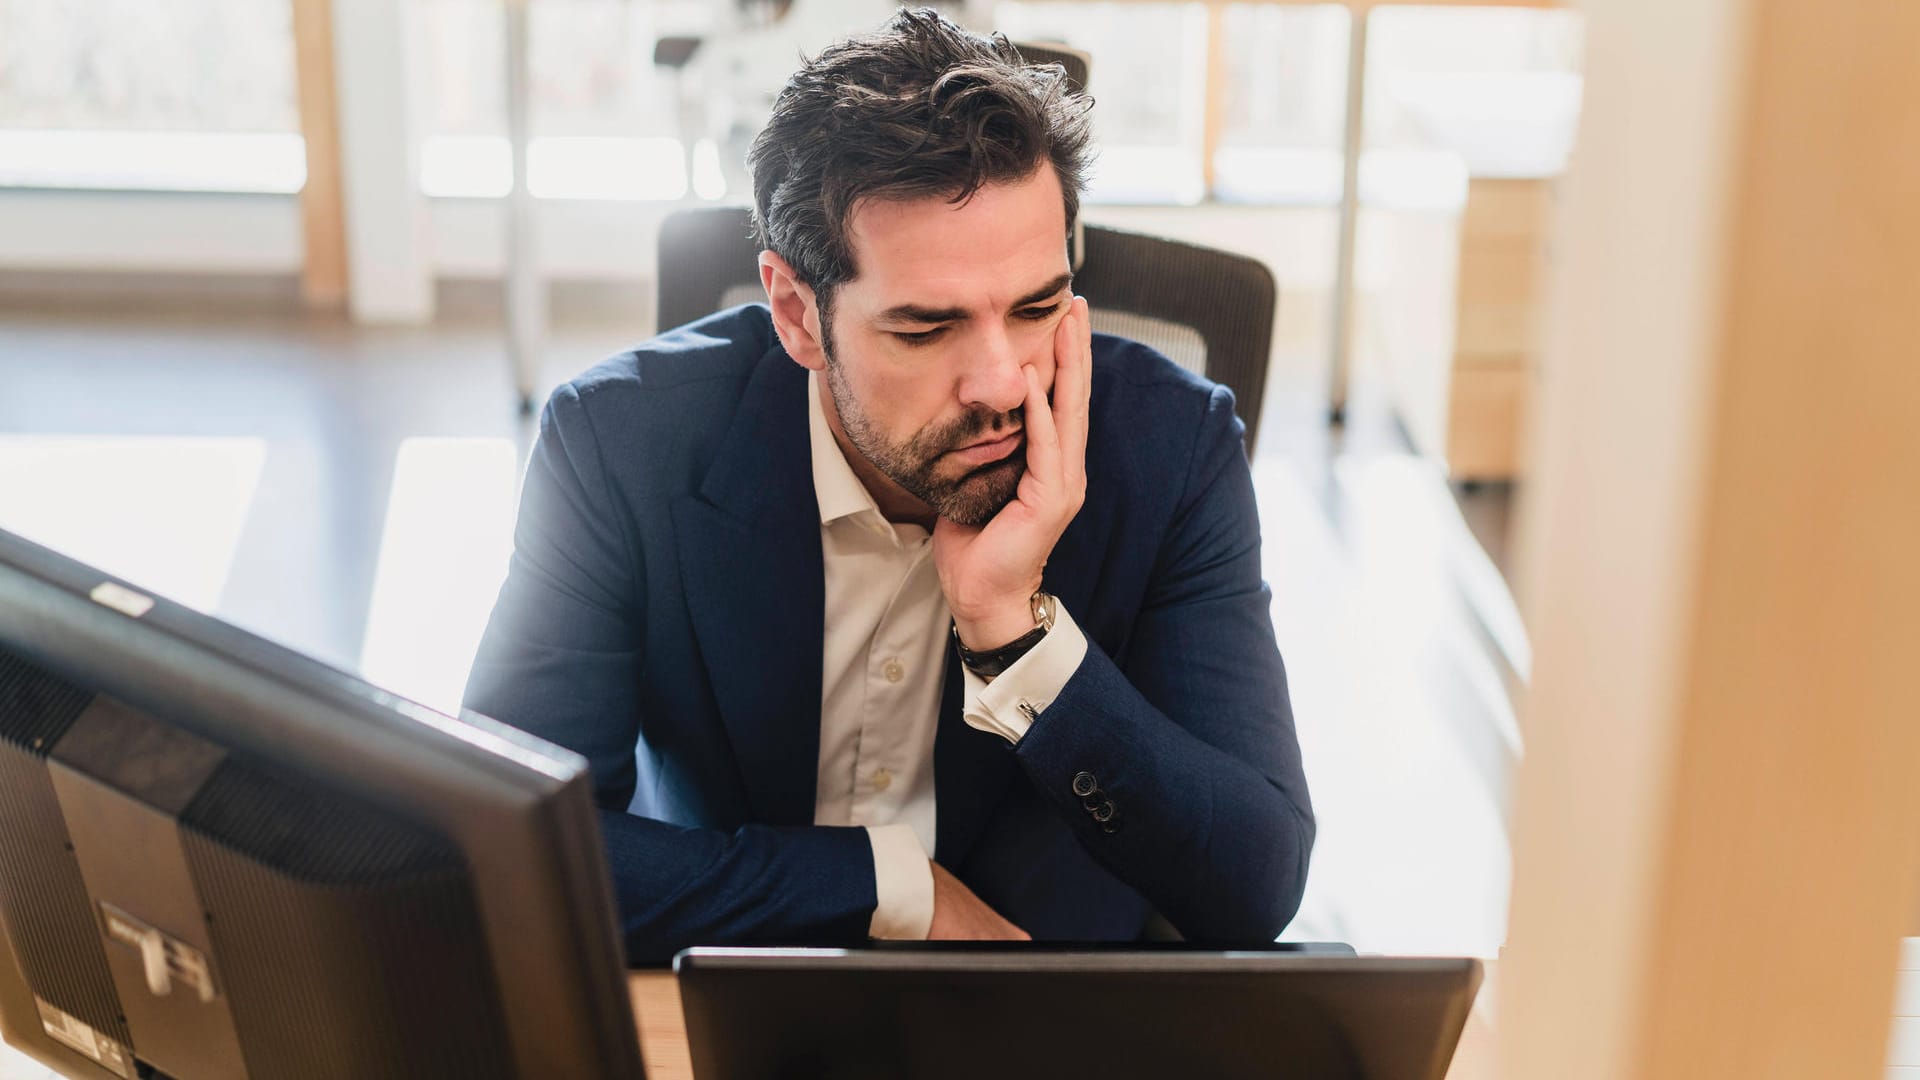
(972,497)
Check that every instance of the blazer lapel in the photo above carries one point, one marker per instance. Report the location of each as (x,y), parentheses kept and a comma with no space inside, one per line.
(750,561)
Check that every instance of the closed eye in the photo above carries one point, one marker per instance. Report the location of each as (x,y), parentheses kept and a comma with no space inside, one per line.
(1035,314)
(920,337)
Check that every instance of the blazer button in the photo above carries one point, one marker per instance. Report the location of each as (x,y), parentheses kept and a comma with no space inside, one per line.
(1084,784)
(1110,827)
(1104,812)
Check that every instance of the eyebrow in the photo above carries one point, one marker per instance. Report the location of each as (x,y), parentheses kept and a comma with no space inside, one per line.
(914,313)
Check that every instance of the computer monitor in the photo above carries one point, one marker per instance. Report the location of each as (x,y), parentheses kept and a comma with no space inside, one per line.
(1037,1013)
(220,858)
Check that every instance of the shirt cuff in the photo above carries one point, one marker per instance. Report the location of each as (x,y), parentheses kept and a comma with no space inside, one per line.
(1006,704)
(903,881)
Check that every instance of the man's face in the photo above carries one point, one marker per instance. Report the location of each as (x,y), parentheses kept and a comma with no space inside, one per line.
(927,345)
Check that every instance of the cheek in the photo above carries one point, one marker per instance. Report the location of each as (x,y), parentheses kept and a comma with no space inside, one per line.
(902,398)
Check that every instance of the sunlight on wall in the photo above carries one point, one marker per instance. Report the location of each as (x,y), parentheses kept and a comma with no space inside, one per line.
(443,555)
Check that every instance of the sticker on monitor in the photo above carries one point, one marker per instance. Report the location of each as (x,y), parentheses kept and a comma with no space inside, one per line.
(75,1033)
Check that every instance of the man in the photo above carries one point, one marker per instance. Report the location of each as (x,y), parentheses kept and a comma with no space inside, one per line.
(904,606)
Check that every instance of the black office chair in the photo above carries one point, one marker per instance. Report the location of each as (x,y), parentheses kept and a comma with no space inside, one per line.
(1073,60)
(708,262)
(1209,311)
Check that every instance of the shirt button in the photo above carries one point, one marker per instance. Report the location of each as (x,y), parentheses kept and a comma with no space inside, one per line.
(894,671)
(881,779)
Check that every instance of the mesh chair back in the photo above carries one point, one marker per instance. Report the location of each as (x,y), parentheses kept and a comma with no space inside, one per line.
(1210,311)
(708,261)
(1074,61)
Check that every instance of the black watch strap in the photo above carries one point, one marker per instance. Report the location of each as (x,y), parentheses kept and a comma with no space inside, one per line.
(990,662)
(994,661)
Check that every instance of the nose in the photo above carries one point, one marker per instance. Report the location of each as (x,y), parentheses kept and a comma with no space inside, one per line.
(993,377)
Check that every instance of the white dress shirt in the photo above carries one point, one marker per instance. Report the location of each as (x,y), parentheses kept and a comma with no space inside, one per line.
(882,668)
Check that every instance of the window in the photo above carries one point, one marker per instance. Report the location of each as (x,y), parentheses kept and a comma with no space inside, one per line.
(185,95)
(1498,87)
(1450,91)
(607,122)
(1285,106)
(1148,81)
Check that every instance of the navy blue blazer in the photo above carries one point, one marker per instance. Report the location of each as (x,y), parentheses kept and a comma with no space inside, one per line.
(663,616)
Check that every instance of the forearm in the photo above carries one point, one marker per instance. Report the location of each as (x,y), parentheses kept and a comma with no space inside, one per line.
(1214,842)
(676,887)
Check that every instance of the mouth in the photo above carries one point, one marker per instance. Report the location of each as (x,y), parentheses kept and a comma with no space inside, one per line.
(988,451)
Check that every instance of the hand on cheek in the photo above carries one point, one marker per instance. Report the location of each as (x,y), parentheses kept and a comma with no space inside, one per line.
(989,573)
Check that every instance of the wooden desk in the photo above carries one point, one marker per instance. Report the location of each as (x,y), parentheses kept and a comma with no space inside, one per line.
(663,1032)
(663,1027)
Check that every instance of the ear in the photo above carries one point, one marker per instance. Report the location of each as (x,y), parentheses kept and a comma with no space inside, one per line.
(796,316)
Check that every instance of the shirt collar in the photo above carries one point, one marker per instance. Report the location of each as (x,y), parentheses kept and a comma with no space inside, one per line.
(838,491)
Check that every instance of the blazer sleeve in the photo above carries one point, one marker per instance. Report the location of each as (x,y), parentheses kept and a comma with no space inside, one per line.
(562,658)
(1190,751)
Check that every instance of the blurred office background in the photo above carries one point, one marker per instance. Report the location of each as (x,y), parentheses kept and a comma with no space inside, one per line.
(271,297)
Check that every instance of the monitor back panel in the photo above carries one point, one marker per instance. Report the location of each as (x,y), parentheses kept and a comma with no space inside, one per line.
(167,904)
(1052,1015)
(61,992)
(325,848)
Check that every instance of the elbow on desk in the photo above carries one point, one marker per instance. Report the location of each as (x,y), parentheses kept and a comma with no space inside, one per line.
(1255,905)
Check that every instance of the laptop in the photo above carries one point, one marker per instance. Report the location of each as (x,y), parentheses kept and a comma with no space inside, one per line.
(1013,1013)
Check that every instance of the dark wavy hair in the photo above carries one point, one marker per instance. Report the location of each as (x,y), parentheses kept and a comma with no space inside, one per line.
(920,108)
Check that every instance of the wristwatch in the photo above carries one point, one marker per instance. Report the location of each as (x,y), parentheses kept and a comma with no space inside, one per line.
(990,662)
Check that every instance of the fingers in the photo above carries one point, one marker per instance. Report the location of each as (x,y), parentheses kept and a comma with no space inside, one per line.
(1073,387)
(1070,345)
(1057,428)
(1043,439)
(1072,393)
